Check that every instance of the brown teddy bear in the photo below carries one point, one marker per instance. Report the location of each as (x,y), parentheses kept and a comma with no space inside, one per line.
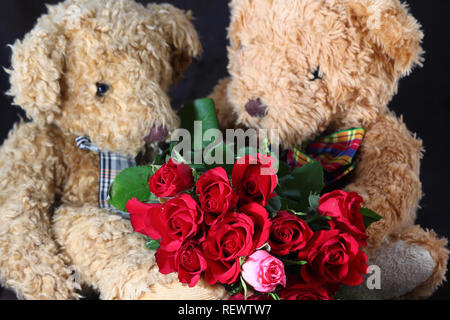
(309,67)
(99,69)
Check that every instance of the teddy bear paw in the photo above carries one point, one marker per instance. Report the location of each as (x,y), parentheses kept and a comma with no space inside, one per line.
(395,271)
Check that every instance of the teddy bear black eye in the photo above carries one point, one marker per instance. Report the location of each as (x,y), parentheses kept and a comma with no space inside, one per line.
(316,74)
(102,89)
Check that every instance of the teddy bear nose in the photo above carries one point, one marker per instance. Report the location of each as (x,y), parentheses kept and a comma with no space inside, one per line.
(256,108)
(157,134)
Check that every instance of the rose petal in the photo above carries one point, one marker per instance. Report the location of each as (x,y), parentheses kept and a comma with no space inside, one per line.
(145,217)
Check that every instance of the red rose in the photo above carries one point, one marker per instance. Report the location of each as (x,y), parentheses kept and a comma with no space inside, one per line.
(171,179)
(254,179)
(142,215)
(216,195)
(288,234)
(191,263)
(333,257)
(227,241)
(304,292)
(188,261)
(345,209)
(225,272)
(166,261)
(261,221)
(174,222)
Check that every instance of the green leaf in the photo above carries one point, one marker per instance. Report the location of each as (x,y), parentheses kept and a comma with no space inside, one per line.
(199,110)
(301,183)
(244,286)
(235,288)
(130,183)
(298,213)
(152,245)
(293,263)
(159,159)
(245,151)
(196,175)
(265,246)
(318,217)
(198,167)
(283,169)
(153,199)
(274,296)
(288,205)
(314,201)
(319,222)
(369,217)
(274,204)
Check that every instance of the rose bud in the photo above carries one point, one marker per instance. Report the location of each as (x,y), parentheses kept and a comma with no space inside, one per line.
(254,179)
(263,272)
(345,209)
(171,179)
(216,196)
(288,234)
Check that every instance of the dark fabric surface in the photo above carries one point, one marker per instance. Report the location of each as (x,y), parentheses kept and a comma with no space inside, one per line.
(423,99)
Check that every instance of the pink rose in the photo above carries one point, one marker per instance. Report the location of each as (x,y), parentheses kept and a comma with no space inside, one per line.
(263,272)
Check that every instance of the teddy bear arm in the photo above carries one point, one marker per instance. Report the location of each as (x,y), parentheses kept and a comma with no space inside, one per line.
(387,176)
(224,109)
(30,261)
(114,260)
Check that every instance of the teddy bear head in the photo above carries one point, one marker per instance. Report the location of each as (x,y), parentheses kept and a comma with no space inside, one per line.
(307,66)
(102,69)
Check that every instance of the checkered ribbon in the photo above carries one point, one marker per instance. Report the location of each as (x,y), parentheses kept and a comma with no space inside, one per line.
(336,152)
(111,164)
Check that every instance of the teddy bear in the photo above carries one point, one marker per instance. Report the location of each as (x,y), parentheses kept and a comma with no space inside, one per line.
(92,77)
(307,68)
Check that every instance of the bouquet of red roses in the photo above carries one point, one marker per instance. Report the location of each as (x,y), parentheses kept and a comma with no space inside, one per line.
(249,227)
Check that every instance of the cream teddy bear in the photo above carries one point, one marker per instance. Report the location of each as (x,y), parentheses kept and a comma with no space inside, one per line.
(98,69)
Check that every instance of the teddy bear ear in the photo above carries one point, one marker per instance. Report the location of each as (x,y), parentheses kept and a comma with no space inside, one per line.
(36,68)
(390,27)
(180,33)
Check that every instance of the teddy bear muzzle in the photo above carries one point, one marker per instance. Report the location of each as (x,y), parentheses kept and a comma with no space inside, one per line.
(157,133)
(256,108)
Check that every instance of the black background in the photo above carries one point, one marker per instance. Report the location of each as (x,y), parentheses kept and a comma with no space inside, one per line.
(423,98)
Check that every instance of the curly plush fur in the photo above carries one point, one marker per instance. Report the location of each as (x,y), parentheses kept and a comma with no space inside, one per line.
(361,49)
(53,237)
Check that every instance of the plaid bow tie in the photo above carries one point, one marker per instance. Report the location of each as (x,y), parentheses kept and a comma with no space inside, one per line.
(336,152)
(111,164)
